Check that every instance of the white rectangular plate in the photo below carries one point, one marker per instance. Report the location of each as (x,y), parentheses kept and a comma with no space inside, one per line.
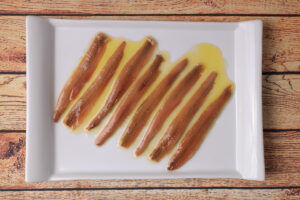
(232,149)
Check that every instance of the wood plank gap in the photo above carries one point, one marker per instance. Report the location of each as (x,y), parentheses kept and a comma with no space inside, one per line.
(281,130)
(218,15)
(16,73)
(280,73)
(12,131)
(151,188)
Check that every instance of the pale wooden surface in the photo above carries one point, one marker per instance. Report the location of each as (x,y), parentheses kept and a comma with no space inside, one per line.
(182,194)
(281,41)
(281,99)
(282,159)
(150,7)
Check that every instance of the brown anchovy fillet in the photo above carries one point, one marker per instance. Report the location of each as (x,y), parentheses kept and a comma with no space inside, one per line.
(86,102)
(150,103)
(182,120)
(168,106)
(195,136)
(81,74)
(125,79)
(130,100)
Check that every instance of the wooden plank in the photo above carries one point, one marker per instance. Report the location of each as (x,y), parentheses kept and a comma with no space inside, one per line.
(12,44)
(232,194)
(12,102)
(281,102)
(281,42)
(150,7)
(282,159)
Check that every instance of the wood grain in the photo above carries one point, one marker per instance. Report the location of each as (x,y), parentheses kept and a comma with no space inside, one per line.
(12,44)
(281,42)
(282,158)
(12,102)
(281,102)
(233,194)
(150,7)
(281,99)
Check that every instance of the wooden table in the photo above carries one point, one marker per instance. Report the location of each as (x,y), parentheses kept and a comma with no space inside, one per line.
(281,98)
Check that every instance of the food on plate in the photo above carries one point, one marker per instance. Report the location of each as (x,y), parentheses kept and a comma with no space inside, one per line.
(126,78)
(87,100)
(81,74)
(173,100)
(144,111)
(195,136)
(130,100)
(183,118)
(126,87)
